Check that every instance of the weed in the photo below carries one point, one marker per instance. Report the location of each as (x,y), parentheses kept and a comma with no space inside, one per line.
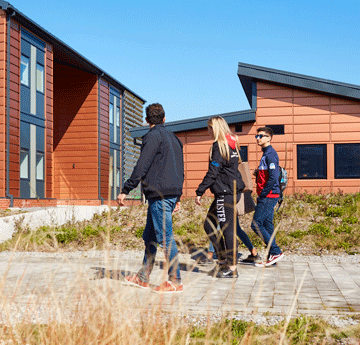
(350,220)
(90,231)
(67,235)
(343,228)
(344,245)
(297,234)
(319,229)
(238,328)
(139,231)
(334,211)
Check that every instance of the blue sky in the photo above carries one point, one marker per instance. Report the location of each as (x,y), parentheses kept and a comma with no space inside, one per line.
(184,53)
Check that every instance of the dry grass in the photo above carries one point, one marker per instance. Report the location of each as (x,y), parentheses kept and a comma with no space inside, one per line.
(308,224)
(96,312)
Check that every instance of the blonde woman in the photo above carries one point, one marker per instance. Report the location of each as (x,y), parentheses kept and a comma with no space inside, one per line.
(223,170)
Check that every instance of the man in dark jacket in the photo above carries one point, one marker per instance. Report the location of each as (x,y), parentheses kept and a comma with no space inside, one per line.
(268,190)
(160,169)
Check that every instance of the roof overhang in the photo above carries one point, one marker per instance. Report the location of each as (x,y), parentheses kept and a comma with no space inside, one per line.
(250,73)
(62,52)
(198,123)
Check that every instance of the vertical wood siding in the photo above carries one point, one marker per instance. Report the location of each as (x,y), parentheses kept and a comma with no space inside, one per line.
(2,104)
(104,139)
(14,139)
(75,134)
(49,124)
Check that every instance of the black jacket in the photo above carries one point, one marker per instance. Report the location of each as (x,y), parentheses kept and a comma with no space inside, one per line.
(221,174)
(160,167)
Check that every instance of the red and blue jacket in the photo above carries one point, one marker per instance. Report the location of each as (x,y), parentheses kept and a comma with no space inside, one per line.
(267,178)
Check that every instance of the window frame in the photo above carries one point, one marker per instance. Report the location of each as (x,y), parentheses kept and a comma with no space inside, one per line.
(27,69)
(43,78)
(27,152)
(324,146)
(111,113)
(42,160)
(336,161)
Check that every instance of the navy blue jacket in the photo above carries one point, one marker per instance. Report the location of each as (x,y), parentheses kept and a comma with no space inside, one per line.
(160,167)
(221,174)
(267,179)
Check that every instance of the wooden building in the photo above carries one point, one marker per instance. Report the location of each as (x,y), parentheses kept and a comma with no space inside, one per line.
(316,124)
(63,121)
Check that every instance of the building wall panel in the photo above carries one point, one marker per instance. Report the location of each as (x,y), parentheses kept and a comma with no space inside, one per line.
(2,104)
(104,139)
(14,138)
(75,99)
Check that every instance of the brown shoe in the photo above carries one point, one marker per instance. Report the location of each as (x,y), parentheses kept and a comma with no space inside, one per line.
(168,287)
(135,281)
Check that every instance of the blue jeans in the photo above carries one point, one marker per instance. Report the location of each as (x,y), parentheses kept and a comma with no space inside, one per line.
(159,230)
(263,224)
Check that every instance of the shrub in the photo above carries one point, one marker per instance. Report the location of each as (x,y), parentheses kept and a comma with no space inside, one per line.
(297,234)
(139,231)
(350,220)
(90,231)
(343,228)
(67,235)
(319,229)
(334,211)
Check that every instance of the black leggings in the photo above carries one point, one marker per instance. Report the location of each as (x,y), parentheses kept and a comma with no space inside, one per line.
(221,212)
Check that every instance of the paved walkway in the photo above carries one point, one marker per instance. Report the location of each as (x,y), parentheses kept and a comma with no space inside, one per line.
(64,283)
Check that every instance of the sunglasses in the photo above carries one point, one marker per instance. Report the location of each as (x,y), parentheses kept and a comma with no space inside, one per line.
(260,136)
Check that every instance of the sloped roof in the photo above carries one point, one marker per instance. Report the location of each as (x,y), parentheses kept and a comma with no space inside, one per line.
(248,73)
(198,123)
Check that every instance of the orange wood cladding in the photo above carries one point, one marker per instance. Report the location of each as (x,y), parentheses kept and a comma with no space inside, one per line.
(104,139)
(75,134)
(14,131)
(2,104)
(308,118)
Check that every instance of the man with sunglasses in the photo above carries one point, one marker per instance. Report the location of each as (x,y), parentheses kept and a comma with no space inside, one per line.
(268,190)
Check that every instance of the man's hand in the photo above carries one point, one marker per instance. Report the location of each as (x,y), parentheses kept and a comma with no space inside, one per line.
(198,200)
(121,199)
(177,207)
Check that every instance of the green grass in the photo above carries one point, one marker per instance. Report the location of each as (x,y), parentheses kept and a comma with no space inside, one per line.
(321,223)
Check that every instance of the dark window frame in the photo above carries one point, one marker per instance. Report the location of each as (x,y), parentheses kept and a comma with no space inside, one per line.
(324,161)
(277,129)
(244,153)
(336,162)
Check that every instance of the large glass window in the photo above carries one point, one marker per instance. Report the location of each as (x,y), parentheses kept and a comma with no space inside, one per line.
(311,161)
(24,70)
(244,153)
(39,78)
(118,116)
(111,113)
(347,160)
(117,177)
(24,164)
(39,166)
(277,129)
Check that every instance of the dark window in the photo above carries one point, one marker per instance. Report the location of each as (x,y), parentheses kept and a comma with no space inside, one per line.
(277,129)
(311,161)
(244,153)
(347,160)
(238,128)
